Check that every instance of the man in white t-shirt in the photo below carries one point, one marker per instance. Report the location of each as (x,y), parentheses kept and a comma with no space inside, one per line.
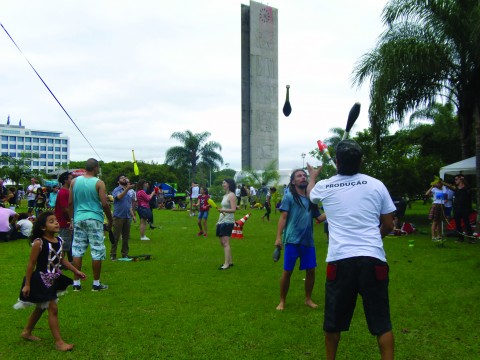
(360,211)
(253,195)
(436,213)
(194,198)
(32,192)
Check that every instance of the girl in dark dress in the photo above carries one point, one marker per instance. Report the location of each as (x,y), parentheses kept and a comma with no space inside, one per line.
(44,280)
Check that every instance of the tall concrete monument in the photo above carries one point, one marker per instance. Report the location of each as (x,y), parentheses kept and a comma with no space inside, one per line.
(259,86)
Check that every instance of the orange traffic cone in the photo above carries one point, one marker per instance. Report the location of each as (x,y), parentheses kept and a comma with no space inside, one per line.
(243,220)
(237,232)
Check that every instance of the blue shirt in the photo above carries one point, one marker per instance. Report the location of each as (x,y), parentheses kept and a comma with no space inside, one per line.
(299,225)
(121,207)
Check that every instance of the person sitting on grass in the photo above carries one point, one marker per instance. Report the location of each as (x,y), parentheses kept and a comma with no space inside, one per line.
(23,227)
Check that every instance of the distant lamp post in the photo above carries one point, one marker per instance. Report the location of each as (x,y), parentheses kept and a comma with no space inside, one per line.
(303,160)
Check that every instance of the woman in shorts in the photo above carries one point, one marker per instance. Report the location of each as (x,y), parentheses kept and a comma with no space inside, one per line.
(226,221)
(143,207)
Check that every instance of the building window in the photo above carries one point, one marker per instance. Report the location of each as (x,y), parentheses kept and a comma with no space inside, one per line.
(28,147)
(12,138)
(50,156)
(20,138)
(4,153)
(43,156)
(43,163)
(64,149)
(50,163)
(28,139)
(64,141)
(57,164)
(57,148)
(50,148)
(64,157)
(12,146)
(43,141)
(4,138)
(20,147)
(35,163)
(36,140)
(50,141)
(12,154)
(57,141)
(43,148)
(4,146)
(35,147)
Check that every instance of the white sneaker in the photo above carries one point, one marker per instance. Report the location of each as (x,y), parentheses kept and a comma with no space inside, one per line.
(144,238)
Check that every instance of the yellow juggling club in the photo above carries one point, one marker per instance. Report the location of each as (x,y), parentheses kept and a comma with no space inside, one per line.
(212,203)
(135,166)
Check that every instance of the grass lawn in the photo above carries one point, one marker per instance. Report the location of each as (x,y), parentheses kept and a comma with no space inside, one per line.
(179,306)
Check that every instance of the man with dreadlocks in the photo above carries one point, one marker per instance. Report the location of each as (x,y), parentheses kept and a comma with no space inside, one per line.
(296,225)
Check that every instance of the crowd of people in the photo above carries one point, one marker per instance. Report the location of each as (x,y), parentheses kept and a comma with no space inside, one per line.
(356,261)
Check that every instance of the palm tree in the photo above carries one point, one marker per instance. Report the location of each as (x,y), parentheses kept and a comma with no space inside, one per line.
(17,170)
(430,50)
(195,150)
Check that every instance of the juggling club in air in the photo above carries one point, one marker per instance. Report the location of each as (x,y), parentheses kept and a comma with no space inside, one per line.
(352,117)
(324,150)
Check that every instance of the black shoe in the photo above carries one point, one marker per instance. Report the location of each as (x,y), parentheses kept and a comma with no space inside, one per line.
(77,287)
(99,287)
(152,227)
(222,268)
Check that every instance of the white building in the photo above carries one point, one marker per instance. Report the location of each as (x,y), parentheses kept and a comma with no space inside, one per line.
(50,150)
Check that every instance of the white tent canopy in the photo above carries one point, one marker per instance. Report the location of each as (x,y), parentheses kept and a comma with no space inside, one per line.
(466,167)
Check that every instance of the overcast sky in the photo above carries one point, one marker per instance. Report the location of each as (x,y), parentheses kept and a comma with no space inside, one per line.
(130,73)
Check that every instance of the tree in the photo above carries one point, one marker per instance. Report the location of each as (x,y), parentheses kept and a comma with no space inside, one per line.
(195,150)
(19,169)
(268,176)
(429,51)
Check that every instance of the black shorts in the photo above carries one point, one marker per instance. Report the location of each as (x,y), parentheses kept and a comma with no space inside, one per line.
(145,213)
(224,229)
(346,279)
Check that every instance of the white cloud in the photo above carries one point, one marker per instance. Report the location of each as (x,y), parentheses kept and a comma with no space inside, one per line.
(132,73)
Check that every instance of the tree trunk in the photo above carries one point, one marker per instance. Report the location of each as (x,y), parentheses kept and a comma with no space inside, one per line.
(476,119)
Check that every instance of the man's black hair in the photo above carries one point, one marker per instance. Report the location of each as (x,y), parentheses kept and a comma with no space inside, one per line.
(63,177)
(349,157)
(296,195)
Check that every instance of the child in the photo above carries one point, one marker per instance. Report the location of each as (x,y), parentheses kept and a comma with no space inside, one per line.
(43,279)
(30,214)
(203,207)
